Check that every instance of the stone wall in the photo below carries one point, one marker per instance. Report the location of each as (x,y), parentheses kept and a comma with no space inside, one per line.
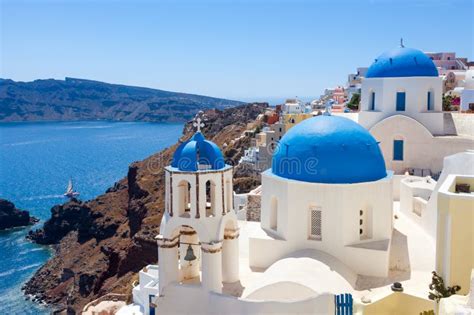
(253,208)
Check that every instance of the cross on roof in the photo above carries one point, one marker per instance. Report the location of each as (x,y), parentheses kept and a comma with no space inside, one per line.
(198,124)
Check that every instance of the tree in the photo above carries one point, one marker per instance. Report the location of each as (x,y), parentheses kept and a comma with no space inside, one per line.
(439,290)
(354,102)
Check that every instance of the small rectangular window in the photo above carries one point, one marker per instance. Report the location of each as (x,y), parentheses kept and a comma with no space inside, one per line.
(316,222)
(401,96)
(398,150)
(372,101)
(429,101)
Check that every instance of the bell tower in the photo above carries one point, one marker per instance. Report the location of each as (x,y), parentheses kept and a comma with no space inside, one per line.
(198,241)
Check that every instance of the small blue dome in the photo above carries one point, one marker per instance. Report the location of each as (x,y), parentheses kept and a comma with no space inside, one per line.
(329,149)
(402,62)
(196,152)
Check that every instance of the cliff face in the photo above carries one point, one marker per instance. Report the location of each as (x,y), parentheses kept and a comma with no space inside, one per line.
(78,99)
(101,244)
(11,217)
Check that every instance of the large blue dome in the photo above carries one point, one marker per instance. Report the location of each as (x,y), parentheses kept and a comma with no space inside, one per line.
(402,62)
(329,149)
(198,154)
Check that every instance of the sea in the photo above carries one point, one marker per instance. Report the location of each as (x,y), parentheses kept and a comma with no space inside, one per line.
(37,159)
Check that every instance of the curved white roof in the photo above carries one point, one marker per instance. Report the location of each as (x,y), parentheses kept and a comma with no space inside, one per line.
(300,277)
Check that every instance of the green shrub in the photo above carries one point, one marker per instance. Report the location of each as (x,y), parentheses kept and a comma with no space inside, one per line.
(354,102)
(439,290)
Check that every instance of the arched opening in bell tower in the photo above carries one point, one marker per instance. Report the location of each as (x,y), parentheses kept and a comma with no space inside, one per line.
(184,199)
(210,198)
(189,256)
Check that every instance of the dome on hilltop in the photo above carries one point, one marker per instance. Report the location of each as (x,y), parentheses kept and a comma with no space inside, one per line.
(329,149)
(402,62)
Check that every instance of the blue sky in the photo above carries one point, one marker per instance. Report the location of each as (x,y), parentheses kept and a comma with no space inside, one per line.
(250,50)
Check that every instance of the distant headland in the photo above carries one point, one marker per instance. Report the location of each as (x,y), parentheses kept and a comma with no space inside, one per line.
(79,99)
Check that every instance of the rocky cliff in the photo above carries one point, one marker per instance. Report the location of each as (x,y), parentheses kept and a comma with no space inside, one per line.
(101,244)
(78,99)
(11,217)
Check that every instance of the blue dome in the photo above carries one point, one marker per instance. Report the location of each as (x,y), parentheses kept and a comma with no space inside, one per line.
(196,152)
(329,149)
(402,62)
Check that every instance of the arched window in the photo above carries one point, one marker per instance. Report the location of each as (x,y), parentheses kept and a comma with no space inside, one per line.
(274,214)
(372,101)
(210,198)
(230,195)
(365,223)
(430,100)
(184,198)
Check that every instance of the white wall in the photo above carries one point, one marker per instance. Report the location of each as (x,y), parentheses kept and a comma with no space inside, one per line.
(421,149)
(340,205)
(416,89)
(464,123)
(467,97)
(188,299)
(461,163)
(412,187)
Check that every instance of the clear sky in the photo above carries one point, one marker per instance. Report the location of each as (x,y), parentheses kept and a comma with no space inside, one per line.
(236,49)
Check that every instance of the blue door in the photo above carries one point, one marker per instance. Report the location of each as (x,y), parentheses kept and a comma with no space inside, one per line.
(398,150)
(151,304)
(401,101)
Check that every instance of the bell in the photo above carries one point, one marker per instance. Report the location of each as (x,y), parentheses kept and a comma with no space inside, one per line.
(189,254)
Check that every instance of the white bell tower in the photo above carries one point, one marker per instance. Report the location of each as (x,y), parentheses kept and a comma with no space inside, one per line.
(198,241)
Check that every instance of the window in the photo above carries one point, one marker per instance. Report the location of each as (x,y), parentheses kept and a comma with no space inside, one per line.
(315,232)
(398,150)
(372,101)
(365,224)
(401,101)
(274,214)
(429,103)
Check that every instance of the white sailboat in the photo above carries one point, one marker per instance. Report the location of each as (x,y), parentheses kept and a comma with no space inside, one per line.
(70,193)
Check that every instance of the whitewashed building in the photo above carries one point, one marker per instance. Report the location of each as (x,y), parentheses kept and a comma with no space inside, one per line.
(401,106)
(314,198)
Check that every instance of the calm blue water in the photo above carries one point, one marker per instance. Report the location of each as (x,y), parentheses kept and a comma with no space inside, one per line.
(36,161)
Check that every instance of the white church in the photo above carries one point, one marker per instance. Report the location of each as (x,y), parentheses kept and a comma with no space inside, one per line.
(333,237)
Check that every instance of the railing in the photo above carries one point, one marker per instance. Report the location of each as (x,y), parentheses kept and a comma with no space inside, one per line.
(343,304)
